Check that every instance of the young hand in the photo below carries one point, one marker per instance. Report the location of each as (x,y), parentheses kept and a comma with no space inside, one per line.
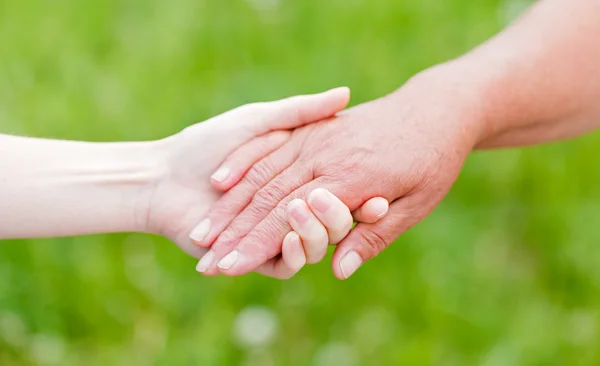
(183,194)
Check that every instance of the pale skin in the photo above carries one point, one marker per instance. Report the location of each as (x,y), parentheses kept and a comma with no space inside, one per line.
(52,188)
(537,81)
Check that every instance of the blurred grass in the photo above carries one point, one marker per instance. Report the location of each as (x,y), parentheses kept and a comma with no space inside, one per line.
(505,272)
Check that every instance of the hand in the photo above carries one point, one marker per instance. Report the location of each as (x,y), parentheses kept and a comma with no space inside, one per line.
(322,220)
(182,193)
(407,147)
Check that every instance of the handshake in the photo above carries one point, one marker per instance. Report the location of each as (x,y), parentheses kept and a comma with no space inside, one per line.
(267,186)
(198,216)
(264,187)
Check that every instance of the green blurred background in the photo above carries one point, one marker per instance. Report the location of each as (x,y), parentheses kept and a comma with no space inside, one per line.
(505,272)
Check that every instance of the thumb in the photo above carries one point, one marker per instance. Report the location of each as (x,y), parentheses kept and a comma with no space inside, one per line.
(300,110)
(365,241)
(371,211)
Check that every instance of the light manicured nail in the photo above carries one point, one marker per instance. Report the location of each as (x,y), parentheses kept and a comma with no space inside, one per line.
(320,200)
(296,259)
(299,211)
(229,260)
(350,263)
(221,174)
(382,206)
(205,262)
(200,231)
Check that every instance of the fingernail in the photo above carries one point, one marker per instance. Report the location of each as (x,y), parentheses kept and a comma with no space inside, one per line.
(221,174)
(294,238)
(298,211)
(320,200)
(298,259)
(229,260)
(381,205)
(350,263)
(200,231)
(205,262)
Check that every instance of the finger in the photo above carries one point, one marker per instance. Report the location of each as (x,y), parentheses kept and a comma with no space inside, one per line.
(263,241)
(261,204)
(291,261)
(372,210)
(297,111)
(230,227)
(232,203)
(365,241)
(332,213)
(243,158)
(312,232)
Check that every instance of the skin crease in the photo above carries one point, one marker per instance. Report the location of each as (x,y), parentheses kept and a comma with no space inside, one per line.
(537,81)
(52,188)
(183,193)
(314,162)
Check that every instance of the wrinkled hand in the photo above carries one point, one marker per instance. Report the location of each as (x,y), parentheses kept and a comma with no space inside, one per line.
(407,147)
(181,194)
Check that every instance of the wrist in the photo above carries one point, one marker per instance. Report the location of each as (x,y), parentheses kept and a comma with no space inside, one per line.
(146,164)
(452,96)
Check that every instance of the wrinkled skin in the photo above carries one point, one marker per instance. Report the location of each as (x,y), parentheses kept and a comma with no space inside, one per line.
(407,147)
(181,192)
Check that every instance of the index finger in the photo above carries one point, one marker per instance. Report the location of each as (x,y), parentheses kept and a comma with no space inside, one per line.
(263,242)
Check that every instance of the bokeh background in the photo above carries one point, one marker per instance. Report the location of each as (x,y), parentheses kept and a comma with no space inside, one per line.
(505,272)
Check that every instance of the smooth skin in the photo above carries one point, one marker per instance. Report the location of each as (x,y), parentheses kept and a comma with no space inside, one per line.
(537,81)
(52,188)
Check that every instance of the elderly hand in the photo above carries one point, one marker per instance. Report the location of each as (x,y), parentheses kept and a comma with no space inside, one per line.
(181,192)
(407,147)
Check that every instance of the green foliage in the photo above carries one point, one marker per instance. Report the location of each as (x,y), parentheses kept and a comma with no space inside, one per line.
(504,272)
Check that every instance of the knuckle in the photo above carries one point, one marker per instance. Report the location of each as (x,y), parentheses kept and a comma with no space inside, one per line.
(262,244)
(263,199)
(373,242)
(266,197)
(260,173)
(224,208)
(280,212)
(230,237)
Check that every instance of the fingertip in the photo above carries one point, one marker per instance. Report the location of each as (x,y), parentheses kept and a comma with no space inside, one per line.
(335,265)
(345,263)
(220,186)
(221,178)
(341,94)
(343,91)
(298,210)
(199,234)
(379,207)
(372,210)
(293,252)
(320,200)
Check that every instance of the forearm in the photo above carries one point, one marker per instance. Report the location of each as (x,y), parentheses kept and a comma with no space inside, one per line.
(54,188)
(537,81)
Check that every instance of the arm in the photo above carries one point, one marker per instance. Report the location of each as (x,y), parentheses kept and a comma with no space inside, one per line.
(540,78)
(52,188)
(537,81)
